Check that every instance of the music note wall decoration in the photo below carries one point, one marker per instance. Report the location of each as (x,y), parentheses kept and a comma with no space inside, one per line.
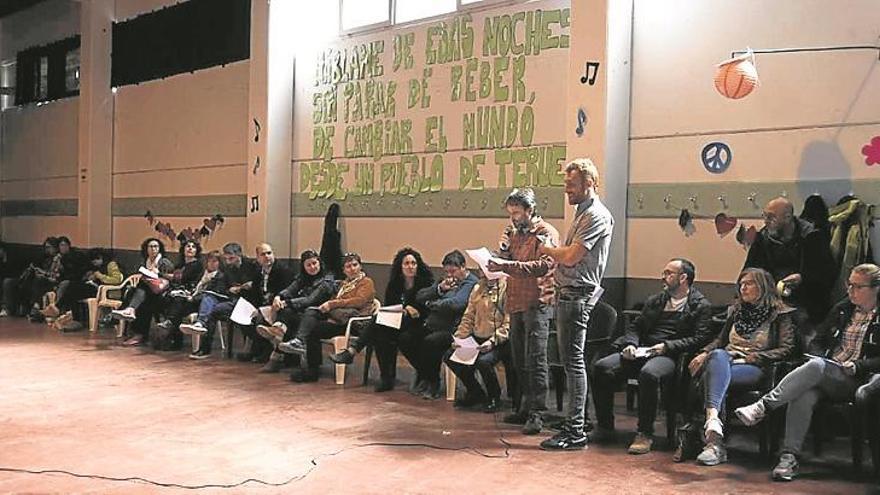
(590,73)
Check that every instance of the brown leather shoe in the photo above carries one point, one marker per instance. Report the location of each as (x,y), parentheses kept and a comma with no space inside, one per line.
(641,444)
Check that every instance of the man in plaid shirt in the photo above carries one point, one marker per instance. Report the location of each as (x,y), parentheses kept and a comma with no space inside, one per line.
(530,293)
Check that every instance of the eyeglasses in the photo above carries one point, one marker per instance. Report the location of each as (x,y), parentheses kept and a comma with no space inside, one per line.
(666,273)
(153,245)
(770,217)
(748,283)
(850,285)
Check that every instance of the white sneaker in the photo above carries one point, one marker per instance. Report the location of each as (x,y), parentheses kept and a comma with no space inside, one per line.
(192,328)
(751,414)
(4,313)
(126,314)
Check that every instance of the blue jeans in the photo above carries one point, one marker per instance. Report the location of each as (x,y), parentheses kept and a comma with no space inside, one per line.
(720,373)
(528,340)
(206,306)
(572,315)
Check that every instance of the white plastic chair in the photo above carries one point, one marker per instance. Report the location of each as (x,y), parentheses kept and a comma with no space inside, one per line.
(340,343)
(102,300)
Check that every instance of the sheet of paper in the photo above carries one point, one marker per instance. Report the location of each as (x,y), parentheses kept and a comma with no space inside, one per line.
(482,256)
(397,308)
(642,352)
(243,313)
(148,273)
(467,351)
(268,314)
(392,319)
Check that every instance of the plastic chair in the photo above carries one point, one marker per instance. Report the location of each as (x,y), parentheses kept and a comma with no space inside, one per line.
(222,328)
(340,343)
(103,300)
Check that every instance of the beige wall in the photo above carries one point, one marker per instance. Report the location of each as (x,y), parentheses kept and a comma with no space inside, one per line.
(808,120)
(181,136)
(38,148)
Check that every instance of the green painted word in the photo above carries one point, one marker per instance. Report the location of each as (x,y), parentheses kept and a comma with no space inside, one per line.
(450,42)
(435,138)
(500,32)
(368,100)
(412,175)
(418,90)
(324,107)
(537,166)
(498,126)
(364,178)
(323,179)
(491,79)
(349,64)
(377,139)
(469,172)
(322,142)
(403,51)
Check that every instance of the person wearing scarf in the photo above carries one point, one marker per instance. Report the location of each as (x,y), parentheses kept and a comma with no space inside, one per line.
(843,365)
(759,331)
(312,287)
(142,303)
(354,298)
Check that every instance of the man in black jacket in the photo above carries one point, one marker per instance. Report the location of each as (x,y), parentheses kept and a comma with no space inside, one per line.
(269,280)
(672,323)
(798,256)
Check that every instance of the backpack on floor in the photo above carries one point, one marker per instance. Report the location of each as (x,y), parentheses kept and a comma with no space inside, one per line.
(688,442)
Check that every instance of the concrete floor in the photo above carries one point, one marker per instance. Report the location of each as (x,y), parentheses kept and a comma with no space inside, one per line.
(82,404)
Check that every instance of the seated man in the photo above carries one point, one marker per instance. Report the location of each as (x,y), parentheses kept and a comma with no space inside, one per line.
(425,345)
(672,323)
(486,321)
(239,273)
(271,278)
(845,354)
(797,256)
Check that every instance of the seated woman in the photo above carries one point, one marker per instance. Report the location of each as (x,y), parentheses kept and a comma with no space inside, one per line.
(486,321)
(354,298)
(186,276)
(409,274)
(144,301)
(102,270)
(40,277)
(758,332)
(73,267)
(311,287)
(211,289)
(845,352)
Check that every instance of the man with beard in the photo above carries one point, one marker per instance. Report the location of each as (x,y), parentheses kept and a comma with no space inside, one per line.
(671,323)
(798,256)
(530,294)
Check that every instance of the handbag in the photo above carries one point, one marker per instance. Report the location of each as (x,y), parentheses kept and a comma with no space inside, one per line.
(688,442)
(157,285)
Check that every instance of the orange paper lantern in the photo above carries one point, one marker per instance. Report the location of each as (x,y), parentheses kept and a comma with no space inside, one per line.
(737,77)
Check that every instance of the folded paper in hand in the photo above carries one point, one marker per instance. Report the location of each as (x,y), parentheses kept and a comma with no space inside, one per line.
(268,314)
(243,313)
(147,272)
(482,257)
(642,352)
(466,352)
(390,316)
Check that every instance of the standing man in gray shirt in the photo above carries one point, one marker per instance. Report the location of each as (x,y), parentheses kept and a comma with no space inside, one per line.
(581,263)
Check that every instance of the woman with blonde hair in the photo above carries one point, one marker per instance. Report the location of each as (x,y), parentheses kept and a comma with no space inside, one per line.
(759,331)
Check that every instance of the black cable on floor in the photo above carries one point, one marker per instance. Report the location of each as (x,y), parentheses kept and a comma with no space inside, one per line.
(312,467)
